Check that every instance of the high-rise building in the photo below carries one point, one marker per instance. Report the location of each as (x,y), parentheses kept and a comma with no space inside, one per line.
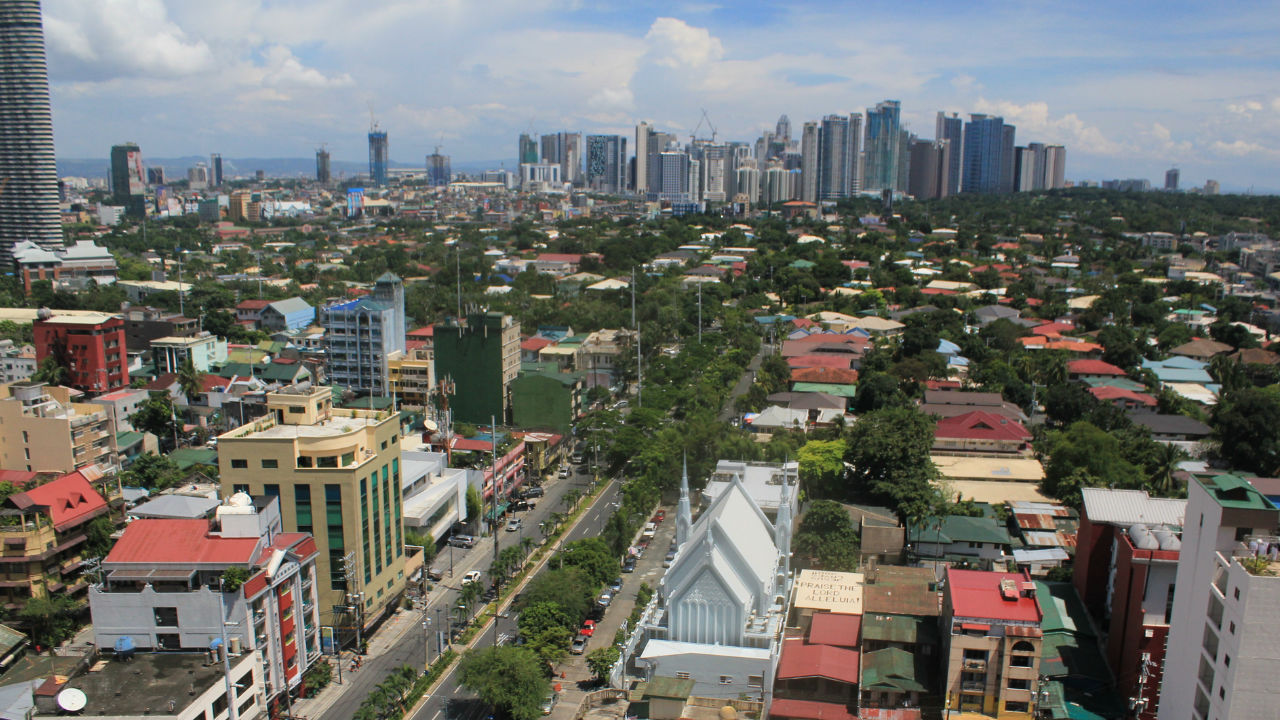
(155,176)
(564,149)
(336,472)
(322,167)
(128,183)
(983,147)
(1007,158)
(930,166)
(641,181)
(361,333)
(672,177)
(1055,167)
(29,200)
(782,132)
(883,145)
(480,355)
(905,139)
(1027,168)
(951,129)
(90,347)
(215,170)
(1171,180)
(777,186)
(439,171)
(528,152)
(1211,187)
(198,177)
(713,173)
(1221,661)
(46,429)
(748,181)
(836,150)
(607,163)
(810,141)
(378,154)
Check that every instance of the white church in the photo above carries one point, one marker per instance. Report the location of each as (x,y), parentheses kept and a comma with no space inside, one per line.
(719,613)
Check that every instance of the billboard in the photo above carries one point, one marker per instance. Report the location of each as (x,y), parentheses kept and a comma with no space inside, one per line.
(137,180)
(355,202)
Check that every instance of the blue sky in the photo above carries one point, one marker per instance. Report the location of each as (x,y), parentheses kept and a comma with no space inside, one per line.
(1131,88)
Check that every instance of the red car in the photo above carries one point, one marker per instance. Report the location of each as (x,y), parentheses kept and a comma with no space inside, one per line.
(588,628)
(659,516)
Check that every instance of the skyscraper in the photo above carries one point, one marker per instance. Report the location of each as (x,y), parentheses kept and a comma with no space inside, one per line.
(215,170)
(607,163)
(565,150)
(1027,168)
(28,174)
(361,333)
(809,143)
(528,149)
(378,156)
(782,132)
(439,170)
(128,183)
(930,165)
(1007,159)
(1055,167)
(983,147)
(951,129)
(672,177)
(643,131)
(322,166)
(1171,180)
(883,146)
(837,156)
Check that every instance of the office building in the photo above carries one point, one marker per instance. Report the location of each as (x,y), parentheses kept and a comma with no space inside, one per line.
(411,376)
(669,177)
(360,334)
(810,141)
(544,398)
(883,146)
(984,140)
(29,202)
(541,177)
(378,156)
(607,163)
(439,172)
(837,153)
(748,181)
(641,180)
(712,173)
(128,183)
(564,149)
(951,129)
(91,348)
(659,142)
(198,177)
(44,533)
(336,472)
(322,167)
(1027,168)
(215,170)
(1221,660)
(66,268)
(162,588)
(1171,180)
(1211,187)
(155,176)
(528,152)
(991,643)
(480,356)
(1007,158)
(930,166)
(1055,167)
(45,431)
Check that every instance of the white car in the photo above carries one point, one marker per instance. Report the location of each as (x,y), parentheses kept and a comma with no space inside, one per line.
(605,598)
(650,529)
(471,577)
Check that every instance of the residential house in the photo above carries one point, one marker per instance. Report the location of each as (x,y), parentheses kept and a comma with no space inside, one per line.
(1202,349)
(286,315)
(17,362)
(1088,368)
(203,349)
(70,268)
(949,403)
(1179,369)
(979,542)
(980,432)
(1123,398)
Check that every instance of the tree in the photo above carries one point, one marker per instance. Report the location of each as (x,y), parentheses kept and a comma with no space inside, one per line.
(189,380)
(98,537)
(51,371)
(511,679)
(601,662)
(153,472)
(475,504)
(49,620)
(822,467)
(889,453)
(1067,403)
(156,416)
(1082,456)
(233,577)
(877,390)
(569,588)
(1246,427)
(593,556)
(827,533)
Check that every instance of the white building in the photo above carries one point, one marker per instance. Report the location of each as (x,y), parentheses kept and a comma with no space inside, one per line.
(719,612)
(204,350)
(1223,652)
(435,495)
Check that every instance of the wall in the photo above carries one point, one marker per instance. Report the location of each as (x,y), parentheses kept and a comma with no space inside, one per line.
(706,670)
(120,614)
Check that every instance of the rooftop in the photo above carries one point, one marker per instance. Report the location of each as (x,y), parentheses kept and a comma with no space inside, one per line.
(838,592)
(183,542)
(340,423)
(802,660)
(1232,491)
(985,596)
(146,684)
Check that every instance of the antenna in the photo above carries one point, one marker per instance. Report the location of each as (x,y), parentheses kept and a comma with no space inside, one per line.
(373,122)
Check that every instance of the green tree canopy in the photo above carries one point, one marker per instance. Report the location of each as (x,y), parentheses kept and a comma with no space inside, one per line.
(156,416)
(827,533)
(511,679)
(569,588)
(1082,456)
(1246,427)
(153,472)
(889,453)
(822,467)
(593,556)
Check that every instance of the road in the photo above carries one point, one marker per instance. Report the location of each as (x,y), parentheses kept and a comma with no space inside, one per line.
(408,648)
(728,412)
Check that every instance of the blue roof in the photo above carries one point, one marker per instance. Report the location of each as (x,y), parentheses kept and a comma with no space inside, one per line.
(946,347)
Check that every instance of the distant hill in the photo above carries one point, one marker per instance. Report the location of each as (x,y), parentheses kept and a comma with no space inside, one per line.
(246,167)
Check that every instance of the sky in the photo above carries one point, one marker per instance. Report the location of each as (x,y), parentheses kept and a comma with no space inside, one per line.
(1130,88)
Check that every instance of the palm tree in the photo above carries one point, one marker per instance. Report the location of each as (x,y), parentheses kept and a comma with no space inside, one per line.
(189,380)
(1167,458)
(51,372)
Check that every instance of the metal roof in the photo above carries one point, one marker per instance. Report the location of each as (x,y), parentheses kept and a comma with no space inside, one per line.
(1126,507)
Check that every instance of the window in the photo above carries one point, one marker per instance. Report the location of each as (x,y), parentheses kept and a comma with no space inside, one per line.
(682,676)
(297,409)
(755,680)
(1236,593)
(271,490)
(726,679)
(975,654)
(305,462)
(1232,628)
(246,705)
(244,682)
(1226,660)
(1019,683)
(1017,707)
(1023,661)
(1023,646)
(219,704)
(240,488)
(239,463)
(348,458)
(270,464)
(24,439)
(166,616)
(169,641)
(327,461)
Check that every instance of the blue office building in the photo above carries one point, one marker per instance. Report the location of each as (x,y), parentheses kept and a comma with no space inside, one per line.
(359,334)
(378,156)
(883,147)
(984,140)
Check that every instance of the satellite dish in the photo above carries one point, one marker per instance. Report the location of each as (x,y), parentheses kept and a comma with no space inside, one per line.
(72,700)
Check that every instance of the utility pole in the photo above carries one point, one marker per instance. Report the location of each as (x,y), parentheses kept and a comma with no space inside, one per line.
(699,312)
(493,435)
(633,298)
(639,372)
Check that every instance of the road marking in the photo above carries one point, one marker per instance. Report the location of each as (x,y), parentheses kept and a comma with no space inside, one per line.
(438,713)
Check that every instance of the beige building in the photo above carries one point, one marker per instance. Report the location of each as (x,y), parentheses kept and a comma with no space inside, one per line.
(991,635)
(411,376)
(337,474)
(43,430)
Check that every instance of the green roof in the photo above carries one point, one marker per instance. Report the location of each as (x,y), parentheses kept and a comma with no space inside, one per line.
(368,402)
(1121,383)
(1235,492)
(669,687)
(892,669)
(1062,610)
(128,439)
(234,369)
(279,371)
(838,390)
(906,629)
(187,458)
(803,264)
(959,528)
(10,639)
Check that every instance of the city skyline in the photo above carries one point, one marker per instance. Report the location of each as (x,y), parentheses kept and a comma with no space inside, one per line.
(1132,90)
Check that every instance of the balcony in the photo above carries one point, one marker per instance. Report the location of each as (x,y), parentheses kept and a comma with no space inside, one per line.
(973,686)
(979,665)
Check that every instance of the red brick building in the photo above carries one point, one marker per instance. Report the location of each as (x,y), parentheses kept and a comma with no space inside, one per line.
(90,347)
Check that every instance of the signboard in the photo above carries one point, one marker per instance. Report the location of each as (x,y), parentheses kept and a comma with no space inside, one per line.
(355,202)
(327,645)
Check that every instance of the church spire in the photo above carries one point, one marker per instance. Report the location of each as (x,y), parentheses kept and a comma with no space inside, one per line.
(782,526)
(684,515)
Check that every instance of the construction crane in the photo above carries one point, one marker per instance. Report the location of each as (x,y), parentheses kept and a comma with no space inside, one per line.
(693,136)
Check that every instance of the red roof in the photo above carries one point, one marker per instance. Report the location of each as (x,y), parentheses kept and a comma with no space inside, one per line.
(253,304)
(151,540)
(213,383)
(809,709)
(977,594)
(70,499)
(936,291)
(162,383)
(1053,328)
(461,443)
(425,332)
(801,660)
(836,629)
(1111,394)
(825,360)
(980,425)
(559,257)
(833,375)
(18,478)
(1093,367)
(535,343)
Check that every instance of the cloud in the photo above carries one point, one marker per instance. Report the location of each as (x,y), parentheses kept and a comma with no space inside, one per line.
(965,83)
(96,39)
(1243,149)
(675,44)
(1034,121)
(281,68)
(1246,108)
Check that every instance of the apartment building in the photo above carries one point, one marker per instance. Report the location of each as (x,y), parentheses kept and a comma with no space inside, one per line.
(411,375)
(991,643)
(337,474)
(163,588)
(90,347)
(44,530)
(1224,636)
(46,431)
(481,356)
(361,334)
(203,349)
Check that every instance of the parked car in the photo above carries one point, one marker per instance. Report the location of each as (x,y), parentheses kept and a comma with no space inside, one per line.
(659,516)
(548,704)
(435,575)
(532,492)
(588,628)
(462,541)
(564,471)
(629,565)
(650,529)
(471,577)
(616,585)
(514,525)
(579,645)
(670,558)
(604,599)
